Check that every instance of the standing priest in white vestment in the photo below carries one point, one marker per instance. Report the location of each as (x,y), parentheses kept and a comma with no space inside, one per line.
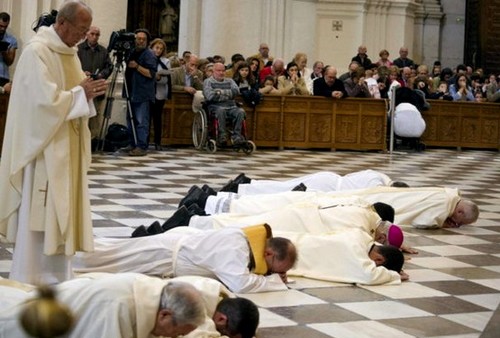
(45,206)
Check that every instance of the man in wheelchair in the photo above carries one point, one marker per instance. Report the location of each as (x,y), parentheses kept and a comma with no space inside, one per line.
(219,93)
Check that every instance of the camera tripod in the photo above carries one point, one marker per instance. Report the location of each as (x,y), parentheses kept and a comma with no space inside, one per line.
(118,68)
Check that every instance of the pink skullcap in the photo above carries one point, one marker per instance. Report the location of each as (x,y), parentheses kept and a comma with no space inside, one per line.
(395,236)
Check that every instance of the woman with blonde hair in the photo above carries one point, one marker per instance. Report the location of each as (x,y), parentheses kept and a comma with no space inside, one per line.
(163,88)
(384,58)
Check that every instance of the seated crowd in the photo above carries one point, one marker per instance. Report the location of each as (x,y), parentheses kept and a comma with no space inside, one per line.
(261,73)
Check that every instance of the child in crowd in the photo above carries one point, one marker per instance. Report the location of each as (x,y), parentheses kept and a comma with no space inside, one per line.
(442,92)
(372,84)
(245,80)
(269,86)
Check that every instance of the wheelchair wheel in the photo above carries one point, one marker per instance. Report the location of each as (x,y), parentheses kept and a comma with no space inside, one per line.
(211,146)
(200,129)
(249,147)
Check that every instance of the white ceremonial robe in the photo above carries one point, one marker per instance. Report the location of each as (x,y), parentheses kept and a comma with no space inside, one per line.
(426,207)
(324,215)
(46,154)
(313,229)
(320,181)
(221,254)
(109,305)
(338,257)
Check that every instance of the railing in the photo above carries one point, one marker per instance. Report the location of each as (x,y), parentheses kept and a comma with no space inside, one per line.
(295,122)
(309,122)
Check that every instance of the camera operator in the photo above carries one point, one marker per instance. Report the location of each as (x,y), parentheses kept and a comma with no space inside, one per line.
(140,78)
(7,49)
(96,63)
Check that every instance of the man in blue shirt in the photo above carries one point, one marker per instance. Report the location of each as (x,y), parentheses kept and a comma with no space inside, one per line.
(8,46)
(140,78)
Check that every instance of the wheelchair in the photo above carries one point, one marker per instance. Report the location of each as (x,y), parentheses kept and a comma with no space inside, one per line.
(206,129)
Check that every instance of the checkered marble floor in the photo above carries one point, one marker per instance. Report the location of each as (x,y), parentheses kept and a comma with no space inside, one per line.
(454,287)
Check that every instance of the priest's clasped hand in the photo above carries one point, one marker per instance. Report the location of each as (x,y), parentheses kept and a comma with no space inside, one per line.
(94,88)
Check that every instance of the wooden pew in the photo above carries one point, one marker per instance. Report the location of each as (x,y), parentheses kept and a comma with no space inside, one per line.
(295,122)
(462,125)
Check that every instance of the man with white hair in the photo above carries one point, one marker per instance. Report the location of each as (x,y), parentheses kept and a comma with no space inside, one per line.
(112,305)
(423,207)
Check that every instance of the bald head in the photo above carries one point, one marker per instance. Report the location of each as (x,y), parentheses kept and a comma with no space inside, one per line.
(73,22)
(330,75)
(465,212)
(264,50)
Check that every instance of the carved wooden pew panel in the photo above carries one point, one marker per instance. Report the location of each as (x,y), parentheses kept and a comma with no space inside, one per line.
(462,124)
(295,122)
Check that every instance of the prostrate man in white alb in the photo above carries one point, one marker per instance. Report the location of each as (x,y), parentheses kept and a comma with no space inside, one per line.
(246,260)
(343,228)
(320,181)
(424,207)
(117,305)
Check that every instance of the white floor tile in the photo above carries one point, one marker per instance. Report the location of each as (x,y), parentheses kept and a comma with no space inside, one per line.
(405,290)
(5,265)
(282,298)
(135,201)
(358,329)
(112,231)
(270,319)
(491,283)
(428,275)
(448,250)
(489,301)
(438,262)
(458,240)
(110,207)
(384,310)
(474,320)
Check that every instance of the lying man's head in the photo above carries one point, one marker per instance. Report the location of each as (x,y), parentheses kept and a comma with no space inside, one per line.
(387,256)
(466,212)
(389,234)
(280,255)
(236,318)
(181,310)
(399,184)
(385,211)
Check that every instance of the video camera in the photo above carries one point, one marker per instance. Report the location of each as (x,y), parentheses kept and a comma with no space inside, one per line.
(122,42)
(46,19)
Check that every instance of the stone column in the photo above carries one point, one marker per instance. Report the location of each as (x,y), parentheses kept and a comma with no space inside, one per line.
(340,30)
(431,33)
(400,27)
(376,29)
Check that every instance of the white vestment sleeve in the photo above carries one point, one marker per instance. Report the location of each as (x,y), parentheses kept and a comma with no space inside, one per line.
(80,107)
